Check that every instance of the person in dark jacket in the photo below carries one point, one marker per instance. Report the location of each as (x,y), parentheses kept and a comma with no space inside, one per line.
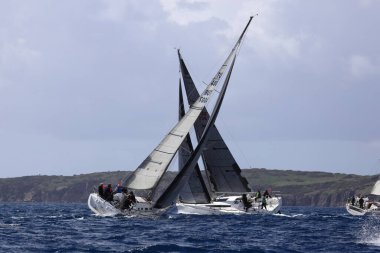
(266,194)
(108,194)
(247,204)
(101,190)
(132,197)
(361,202)
(264,203)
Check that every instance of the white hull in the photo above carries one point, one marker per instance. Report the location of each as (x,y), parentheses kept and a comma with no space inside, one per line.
(230,205)
(357,211)
(104,208)
(101,207)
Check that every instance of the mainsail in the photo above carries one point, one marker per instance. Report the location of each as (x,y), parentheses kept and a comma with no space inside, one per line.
(171,193)
(221,166)
(148,174)
(376,188)
(194,191)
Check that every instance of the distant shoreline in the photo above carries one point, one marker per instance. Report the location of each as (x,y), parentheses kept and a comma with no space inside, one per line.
(298,188)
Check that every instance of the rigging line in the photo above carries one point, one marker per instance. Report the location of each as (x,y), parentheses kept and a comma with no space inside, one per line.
(183,101)
(183,104)
(215,66)
(235,143)
(217,91)
(194,77)
(194,91)
(240,150)
(210,98)
(185,149)
(224,124)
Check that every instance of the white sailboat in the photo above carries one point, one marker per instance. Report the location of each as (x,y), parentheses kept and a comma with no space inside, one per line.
(226,185)
(145,180)
(368,207)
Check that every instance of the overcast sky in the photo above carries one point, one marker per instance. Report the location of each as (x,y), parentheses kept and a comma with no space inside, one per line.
(89,86)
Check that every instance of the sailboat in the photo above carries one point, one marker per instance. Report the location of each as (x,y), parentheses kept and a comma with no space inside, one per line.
(226,184)
(145,181)
(369,207)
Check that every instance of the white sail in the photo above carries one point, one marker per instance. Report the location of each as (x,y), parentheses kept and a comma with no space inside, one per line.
(376,188)
(221,167)
(170,193)
(150,171)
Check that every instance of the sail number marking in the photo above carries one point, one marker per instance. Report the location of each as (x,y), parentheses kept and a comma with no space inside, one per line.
(204,97)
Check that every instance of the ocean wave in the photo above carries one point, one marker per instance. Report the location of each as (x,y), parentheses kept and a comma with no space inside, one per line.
(9,225)
(370,231)
(375,242)
(289,215)
(18,217)
(73,228)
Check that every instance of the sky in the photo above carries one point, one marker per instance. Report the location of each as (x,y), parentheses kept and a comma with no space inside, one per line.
(92,85)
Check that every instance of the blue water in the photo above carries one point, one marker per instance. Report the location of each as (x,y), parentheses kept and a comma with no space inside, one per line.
(73,228)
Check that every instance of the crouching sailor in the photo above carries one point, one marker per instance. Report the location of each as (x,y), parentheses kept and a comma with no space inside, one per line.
(129,199)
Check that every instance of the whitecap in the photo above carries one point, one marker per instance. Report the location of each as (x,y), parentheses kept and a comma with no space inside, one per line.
(289,216)
(17,218)
(374,241)
(369,233)
(129,216)
(9,225)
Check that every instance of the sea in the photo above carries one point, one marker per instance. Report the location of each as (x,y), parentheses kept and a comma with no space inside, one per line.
(48,227)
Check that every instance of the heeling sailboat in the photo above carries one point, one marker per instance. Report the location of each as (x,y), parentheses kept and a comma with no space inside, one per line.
(221,168)
(146,178)
(369,207)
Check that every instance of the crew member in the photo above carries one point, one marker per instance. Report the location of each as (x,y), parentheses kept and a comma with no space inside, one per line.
(361,202)
(108,194)
(101,190)
(247,204)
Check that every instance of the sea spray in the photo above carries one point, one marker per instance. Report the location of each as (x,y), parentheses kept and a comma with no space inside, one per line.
(370,231)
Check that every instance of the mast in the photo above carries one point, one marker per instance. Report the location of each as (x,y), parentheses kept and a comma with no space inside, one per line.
(171,193)
(221,168)
(195,190)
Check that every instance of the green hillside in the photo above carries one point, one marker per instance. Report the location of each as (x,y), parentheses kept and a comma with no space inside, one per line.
(296,187)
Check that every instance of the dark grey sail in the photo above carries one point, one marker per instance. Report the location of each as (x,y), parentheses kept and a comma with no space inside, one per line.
(183,176)
(194,191)
(221,166)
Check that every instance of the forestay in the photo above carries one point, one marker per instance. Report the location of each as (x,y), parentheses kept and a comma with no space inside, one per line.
(150,171)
